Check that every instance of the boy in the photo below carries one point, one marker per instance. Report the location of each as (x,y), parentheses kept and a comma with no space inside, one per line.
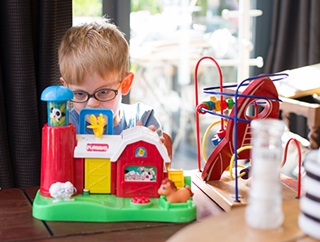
(94,64)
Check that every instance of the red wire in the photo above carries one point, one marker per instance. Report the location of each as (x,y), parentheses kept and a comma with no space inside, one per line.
(299,162)
(197,102)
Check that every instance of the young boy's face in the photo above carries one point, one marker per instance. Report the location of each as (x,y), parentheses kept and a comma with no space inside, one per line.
(106,87)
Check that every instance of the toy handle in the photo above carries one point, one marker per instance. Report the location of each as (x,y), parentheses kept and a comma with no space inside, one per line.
(96,111)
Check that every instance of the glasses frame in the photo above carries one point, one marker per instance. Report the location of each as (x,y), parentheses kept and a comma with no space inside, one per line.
(116,91)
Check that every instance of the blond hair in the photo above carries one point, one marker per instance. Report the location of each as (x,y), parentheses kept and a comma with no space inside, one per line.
(93,47)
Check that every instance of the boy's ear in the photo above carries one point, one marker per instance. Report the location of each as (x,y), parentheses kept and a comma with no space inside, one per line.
(63,82)
(126,83)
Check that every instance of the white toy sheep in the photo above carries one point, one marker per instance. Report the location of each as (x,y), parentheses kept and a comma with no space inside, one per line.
(62,191)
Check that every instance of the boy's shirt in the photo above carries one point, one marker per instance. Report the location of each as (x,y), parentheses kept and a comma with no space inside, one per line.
(130,114)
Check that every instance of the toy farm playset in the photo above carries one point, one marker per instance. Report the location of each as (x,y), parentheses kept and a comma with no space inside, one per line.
(103,177)
(223,178)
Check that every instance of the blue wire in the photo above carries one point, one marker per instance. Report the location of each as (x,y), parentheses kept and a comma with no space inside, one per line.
(235,118)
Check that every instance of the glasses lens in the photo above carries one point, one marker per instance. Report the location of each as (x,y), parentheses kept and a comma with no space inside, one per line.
(106,94)
(80,97)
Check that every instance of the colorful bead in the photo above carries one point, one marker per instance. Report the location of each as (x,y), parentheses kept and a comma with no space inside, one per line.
(221,133)
(215,105)
(210,105)
(218,106)
(230,103)
(213,98)
(224,104)
(246,170)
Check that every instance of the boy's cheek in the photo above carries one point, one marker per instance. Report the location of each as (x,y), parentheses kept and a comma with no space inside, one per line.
(78,107)
(114,105)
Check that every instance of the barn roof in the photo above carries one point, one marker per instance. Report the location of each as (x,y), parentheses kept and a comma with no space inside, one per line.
(112,146)
(140,133)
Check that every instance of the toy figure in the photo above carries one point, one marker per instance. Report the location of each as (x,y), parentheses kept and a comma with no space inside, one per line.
(174,195)
(57,98)
(97,124)
(58,114)
(62,191)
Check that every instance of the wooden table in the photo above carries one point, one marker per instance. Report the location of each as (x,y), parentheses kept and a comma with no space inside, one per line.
(17,223)
(231,226)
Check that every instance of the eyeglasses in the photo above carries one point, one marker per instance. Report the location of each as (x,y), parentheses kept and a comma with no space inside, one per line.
(102,95)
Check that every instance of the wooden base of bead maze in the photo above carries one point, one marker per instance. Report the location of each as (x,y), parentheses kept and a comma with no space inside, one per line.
(222,191)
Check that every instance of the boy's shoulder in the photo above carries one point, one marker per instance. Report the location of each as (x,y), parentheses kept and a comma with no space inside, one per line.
(132,113)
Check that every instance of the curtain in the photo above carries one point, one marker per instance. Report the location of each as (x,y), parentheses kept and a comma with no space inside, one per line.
(30,34)
(295,35)
(295,42)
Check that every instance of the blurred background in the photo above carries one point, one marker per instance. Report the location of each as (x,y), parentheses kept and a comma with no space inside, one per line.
(167,38)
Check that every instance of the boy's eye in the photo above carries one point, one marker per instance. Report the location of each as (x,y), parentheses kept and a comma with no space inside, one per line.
(103,93)
(80,95)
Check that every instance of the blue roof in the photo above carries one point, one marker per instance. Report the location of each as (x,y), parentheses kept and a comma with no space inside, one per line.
(56,94)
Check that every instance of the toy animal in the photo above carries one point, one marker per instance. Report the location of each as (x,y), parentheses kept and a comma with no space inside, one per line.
(174,195)
(58,113)
(62,191)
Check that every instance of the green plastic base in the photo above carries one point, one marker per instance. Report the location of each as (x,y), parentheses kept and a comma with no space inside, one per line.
(109,208)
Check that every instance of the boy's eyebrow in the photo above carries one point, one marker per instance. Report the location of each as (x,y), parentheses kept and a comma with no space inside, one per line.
(78,90)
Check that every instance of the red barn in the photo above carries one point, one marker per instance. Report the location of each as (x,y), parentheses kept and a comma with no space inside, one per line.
(140,163)
(131,164)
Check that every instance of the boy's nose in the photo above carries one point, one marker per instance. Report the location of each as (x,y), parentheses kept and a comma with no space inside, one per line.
(93,103)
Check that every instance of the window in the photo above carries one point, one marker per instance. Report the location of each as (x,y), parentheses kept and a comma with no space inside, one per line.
(167,38)
(85,10)
(140,173)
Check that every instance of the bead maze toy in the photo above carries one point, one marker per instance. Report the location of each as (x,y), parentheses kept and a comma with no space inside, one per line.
(236,105)
(104,177)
